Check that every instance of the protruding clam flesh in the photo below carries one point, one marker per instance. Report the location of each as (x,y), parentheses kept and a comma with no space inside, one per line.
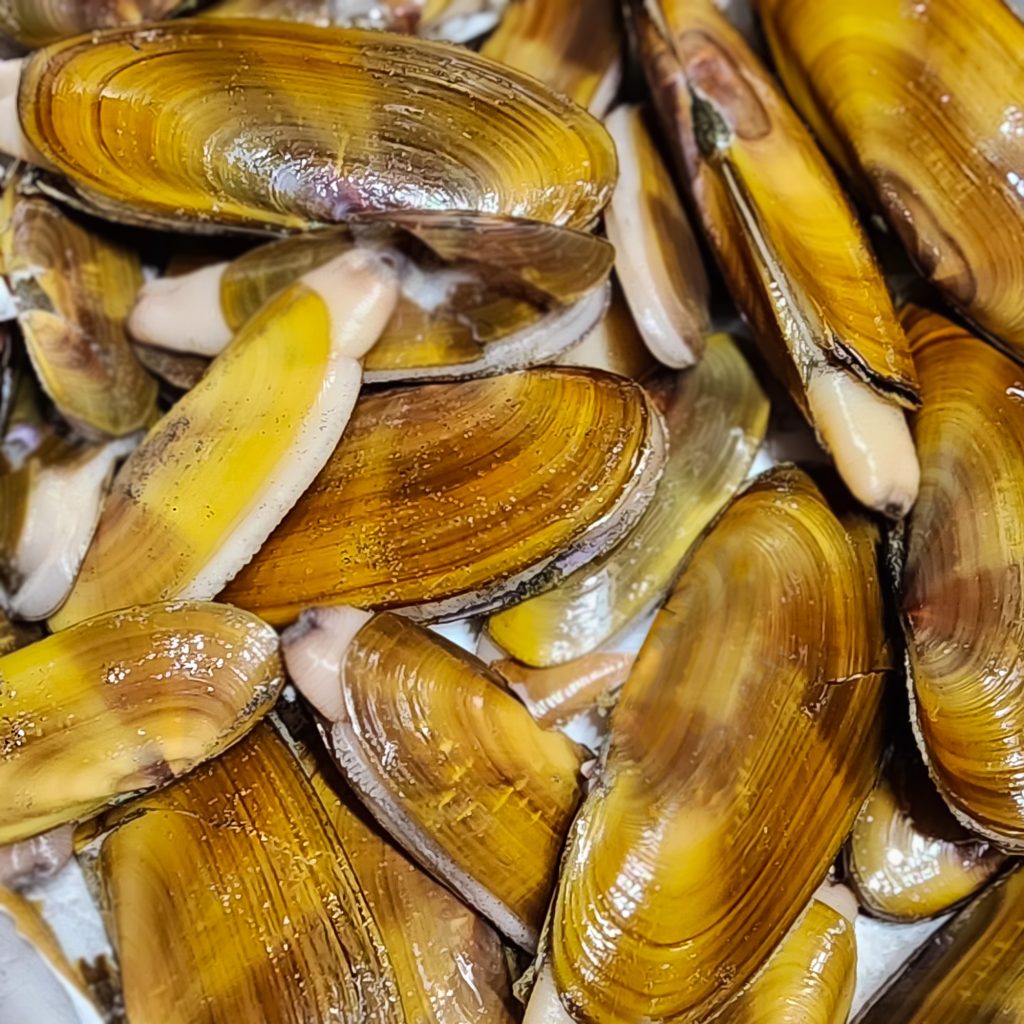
(124,703)
(213,478)
(448,762)
(963,577)
(210,123)
(741,748)
(716,417)
(479,294)
(792,252)
(452,499)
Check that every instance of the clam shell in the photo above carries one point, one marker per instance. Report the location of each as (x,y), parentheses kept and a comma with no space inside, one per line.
(451,499)
(228,124)
(35,23)
(125,703)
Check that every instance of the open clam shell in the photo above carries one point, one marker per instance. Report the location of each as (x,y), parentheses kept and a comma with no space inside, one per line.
(743,744)
(972,969)
(716,416)
(35,23)
(37,981)
(72,290)
(480,294)
(575,48)
(217,473)
(451,499)
(124,703)
(908,858)
(228,123)
(452,765)
(962,573)
(789,244)
(923,109)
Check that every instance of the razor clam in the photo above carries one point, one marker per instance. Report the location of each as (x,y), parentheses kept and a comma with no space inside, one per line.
(449,500)
(213,478)
(229,897)
(447,761)
(449,964)
(124,703)
(656,255)
(575,48)
(72,289)
(227,124)
(35,23)
(908,858)
(810,976)
(926,111)
(480,294)
(716,416)
(962,577)
(789,245)
(49,509)
(971,970)
(741,748)
(37,983)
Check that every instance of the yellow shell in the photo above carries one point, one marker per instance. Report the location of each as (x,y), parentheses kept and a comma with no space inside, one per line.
(208,122)
(124,703)
(741,750)
(923,106)
(449,499)
(38,22)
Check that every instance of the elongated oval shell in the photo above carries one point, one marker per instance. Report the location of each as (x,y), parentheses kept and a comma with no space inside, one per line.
(962,589)
(449,964)
(926,110)
(972,969)
(450,499)
(657,257)
(124,703)
(229,897)
(908,858)
(229,123)
(575,48)
(810,978)
(741,748)
(448,762)
(716,416)
(37,981)
(38,22)
(789,245)
(214,477)
(72,290)
(480,294)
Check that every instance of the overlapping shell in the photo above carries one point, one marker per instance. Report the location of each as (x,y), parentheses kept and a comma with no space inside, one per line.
(72,289)
(451,499)
(741,749)
(219,471)
(716,417)
(925,109)
(908,858)
(963,577)
(448,762)
(210,122)
(792,252)
(124,703)
(575,48)
(333,926)
(972,969)
(480,294)
(38,22)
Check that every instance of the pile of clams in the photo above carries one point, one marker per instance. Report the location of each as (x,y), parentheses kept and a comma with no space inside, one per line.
(511,511)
